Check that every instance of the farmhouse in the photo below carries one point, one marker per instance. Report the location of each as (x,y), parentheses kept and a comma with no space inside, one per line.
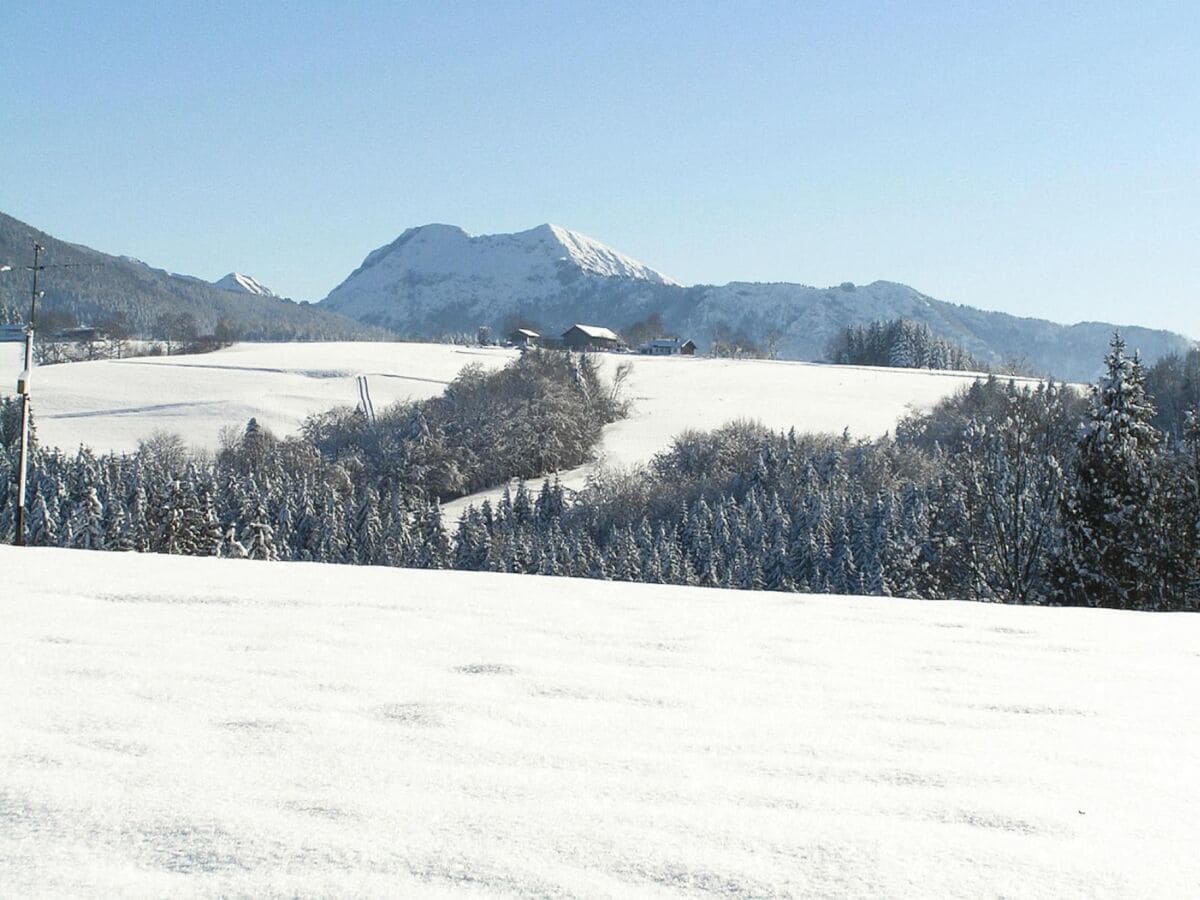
(590,337)
(524,338)
(668,346)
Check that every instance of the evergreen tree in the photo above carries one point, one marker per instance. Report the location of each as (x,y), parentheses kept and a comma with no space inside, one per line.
(89,535)
(1113,545)
(262,539)
(368,529)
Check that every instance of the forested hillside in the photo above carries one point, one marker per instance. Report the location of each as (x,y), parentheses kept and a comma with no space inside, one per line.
(133,299)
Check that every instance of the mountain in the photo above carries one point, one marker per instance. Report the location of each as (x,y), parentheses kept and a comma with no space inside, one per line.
(95,287)
(436,279)
(238,283)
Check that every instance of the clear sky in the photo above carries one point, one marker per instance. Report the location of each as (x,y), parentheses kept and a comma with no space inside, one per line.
(1039,158)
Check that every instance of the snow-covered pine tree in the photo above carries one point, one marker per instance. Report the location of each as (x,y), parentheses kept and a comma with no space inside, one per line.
(368,529)
(261,544)
(231,547)
(1113,545)
(551,502)
(433,549)
(843,573)
(42,525)
(472,543)
(209,534)
(176,533)
(522,506)
(625,556)
(89,535)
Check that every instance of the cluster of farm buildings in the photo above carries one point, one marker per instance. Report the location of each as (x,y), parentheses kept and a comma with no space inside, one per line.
(594,338)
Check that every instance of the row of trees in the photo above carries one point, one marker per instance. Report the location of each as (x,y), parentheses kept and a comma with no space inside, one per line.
(60,338)
(1003,492)
(900,343)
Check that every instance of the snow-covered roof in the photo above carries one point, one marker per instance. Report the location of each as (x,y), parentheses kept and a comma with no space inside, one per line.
(596,331)
(526,332)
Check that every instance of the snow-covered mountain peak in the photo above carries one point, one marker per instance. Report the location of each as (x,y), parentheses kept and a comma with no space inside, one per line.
(592,256)
(433,268)
(243,284)
(447,250)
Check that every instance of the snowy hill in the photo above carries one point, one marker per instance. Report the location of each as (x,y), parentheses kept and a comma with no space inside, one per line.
(243,284)
(202,727)
(111,404)
(437,279)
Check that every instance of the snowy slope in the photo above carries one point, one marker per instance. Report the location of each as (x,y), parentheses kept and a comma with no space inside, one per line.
(175,726)
(441,250)
(243,284)
(673,394)
(111,404)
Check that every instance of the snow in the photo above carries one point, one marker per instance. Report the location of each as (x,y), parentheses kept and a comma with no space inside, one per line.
(447,250)
(12,361)
(438,279)
(194,726)
(671,394)
(112,404)
(598,331)
(592,256)
(443,279)
(243,284)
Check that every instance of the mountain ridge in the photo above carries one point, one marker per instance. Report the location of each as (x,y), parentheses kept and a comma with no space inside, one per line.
(437,278)
(96,287)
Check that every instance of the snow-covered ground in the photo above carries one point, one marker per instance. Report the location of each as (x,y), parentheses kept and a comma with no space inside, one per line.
(111,404)
(174,726)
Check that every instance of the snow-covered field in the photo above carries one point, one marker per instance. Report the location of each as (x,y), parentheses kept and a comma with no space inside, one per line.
(111,404)
(185,726)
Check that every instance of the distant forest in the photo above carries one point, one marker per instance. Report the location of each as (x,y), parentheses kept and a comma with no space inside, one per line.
(123,298)
(901,344)
(1003,492)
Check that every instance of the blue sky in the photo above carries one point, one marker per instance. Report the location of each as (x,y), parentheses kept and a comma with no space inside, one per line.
(1038,158)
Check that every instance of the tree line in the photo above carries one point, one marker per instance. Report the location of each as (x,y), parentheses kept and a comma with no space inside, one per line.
(899,343)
